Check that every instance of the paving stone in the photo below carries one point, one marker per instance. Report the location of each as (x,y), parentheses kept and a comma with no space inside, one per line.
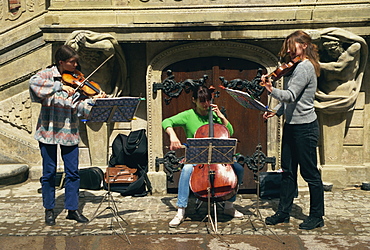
(347,213)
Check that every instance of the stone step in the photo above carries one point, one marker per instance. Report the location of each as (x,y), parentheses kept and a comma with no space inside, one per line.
(13,173)
(18,150)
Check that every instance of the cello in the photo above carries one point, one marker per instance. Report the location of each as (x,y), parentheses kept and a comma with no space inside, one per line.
(217,180)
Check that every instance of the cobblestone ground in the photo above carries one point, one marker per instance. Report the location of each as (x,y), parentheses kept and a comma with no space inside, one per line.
(347,214)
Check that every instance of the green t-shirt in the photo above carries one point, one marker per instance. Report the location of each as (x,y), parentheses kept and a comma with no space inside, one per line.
(190,121)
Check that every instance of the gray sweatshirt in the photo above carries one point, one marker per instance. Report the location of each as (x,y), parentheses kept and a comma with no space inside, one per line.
(297,97)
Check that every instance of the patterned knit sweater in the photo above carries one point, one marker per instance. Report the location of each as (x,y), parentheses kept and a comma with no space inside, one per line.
(58,119)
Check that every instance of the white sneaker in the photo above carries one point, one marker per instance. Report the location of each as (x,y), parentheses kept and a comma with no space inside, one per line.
(233,213)
(176,221)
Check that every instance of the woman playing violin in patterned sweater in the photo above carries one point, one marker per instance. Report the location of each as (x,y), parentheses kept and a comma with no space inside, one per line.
(58,124)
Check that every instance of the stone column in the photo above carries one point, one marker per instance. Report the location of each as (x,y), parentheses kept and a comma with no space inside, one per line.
(97,135)
(332,128)
(157,177)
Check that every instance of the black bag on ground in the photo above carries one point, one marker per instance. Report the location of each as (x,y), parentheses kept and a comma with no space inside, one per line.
(90,178)
(132,151)
(270,183)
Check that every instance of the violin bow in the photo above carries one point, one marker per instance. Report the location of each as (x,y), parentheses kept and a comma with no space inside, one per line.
(83,82)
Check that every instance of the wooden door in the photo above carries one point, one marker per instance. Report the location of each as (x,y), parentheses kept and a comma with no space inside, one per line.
(249,127)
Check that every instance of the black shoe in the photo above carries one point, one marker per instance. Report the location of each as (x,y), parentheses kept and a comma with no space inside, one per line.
(49,217)
(279,217)
(77,216)
(312,222)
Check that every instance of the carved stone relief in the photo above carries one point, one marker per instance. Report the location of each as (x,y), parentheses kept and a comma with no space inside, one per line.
(343,60)
(16,110)
(15,9)
(93,48)
(31,5)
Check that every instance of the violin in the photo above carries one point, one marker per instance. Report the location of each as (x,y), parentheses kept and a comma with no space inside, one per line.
(77,80)
(283,69)
(217,180)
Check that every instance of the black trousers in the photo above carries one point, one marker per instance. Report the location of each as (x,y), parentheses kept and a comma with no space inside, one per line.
(299,149)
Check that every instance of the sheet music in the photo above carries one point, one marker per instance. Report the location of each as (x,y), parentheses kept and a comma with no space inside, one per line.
(246,100)
(116,109)
(210,150)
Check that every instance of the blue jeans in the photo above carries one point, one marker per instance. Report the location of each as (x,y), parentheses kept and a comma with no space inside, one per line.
(299,148)
(72,178)
(184,183)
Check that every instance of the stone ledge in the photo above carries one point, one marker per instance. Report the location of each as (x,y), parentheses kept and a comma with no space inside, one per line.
(13,173)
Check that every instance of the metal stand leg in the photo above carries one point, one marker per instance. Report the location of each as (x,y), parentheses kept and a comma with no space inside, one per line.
(258,213)
(208,216)
(212,221)
(114,211)
(215,213)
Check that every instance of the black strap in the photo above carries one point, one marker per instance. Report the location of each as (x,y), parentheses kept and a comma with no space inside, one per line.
(143,172)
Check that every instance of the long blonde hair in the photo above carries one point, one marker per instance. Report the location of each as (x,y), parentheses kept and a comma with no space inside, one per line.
(311,52)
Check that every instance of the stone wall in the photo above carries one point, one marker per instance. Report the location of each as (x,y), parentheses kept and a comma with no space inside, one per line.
(147,28)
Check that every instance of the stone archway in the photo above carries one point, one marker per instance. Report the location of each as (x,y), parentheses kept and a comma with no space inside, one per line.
(195,50)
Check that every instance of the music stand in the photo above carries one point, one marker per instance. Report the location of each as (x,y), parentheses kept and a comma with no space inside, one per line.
(247,101)
(210,151)
(119,109)
(259,165)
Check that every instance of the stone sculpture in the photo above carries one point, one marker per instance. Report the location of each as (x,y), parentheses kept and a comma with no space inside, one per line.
(93,49)
(343,57)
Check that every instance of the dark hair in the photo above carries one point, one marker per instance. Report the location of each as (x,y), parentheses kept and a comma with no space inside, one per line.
(311,52)
(202,93)
(64,53)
